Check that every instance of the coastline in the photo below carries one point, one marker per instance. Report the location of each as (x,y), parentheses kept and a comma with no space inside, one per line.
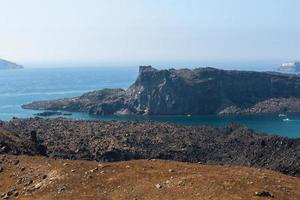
(200,91)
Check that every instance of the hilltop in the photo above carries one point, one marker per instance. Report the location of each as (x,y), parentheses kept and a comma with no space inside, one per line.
(4,64)
(200,91)
(24,177)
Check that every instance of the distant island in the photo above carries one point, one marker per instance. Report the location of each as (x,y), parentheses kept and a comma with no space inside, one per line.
(200,91)
(292,67)
(4,64)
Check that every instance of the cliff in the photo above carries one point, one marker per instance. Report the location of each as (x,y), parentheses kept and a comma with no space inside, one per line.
(190,92)
(9,65)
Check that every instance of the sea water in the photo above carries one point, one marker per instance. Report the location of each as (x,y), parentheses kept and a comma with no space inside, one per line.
(19,87)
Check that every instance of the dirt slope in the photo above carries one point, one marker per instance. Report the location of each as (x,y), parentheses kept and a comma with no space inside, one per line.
(24,177)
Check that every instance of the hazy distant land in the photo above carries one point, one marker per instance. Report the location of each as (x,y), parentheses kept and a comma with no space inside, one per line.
(4,64)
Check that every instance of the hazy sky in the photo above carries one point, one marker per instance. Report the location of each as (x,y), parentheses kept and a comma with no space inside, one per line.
(140,30)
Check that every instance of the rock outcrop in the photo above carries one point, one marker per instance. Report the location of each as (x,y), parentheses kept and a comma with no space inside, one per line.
(12,143)
(190,92)
(118,141)
(4,64)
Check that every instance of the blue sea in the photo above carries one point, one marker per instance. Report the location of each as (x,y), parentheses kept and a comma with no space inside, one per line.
(18,87)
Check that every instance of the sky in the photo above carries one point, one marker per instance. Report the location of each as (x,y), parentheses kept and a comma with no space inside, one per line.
(120,31)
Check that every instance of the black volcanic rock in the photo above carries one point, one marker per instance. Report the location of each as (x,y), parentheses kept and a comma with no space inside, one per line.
(14,144)
(270,106)
(115,141)
(52,113)
(4,64)
(189,92)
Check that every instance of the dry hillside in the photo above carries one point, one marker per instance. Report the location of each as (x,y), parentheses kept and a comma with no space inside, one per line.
(24,177)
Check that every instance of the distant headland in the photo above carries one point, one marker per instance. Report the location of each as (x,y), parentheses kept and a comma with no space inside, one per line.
(4,64)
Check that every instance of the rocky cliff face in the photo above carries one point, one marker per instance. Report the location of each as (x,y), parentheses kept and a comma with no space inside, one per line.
(184,91)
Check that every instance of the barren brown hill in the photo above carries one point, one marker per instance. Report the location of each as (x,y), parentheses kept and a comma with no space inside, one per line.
(24,177)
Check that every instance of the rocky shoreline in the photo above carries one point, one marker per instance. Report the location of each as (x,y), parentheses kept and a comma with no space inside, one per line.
(52,113)
(267,107)
(118,141)
(200,91)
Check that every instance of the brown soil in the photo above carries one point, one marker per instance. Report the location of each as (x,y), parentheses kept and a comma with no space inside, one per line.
(24,177)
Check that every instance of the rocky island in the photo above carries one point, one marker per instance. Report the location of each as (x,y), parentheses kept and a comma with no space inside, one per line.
(200,91)
(4,64)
